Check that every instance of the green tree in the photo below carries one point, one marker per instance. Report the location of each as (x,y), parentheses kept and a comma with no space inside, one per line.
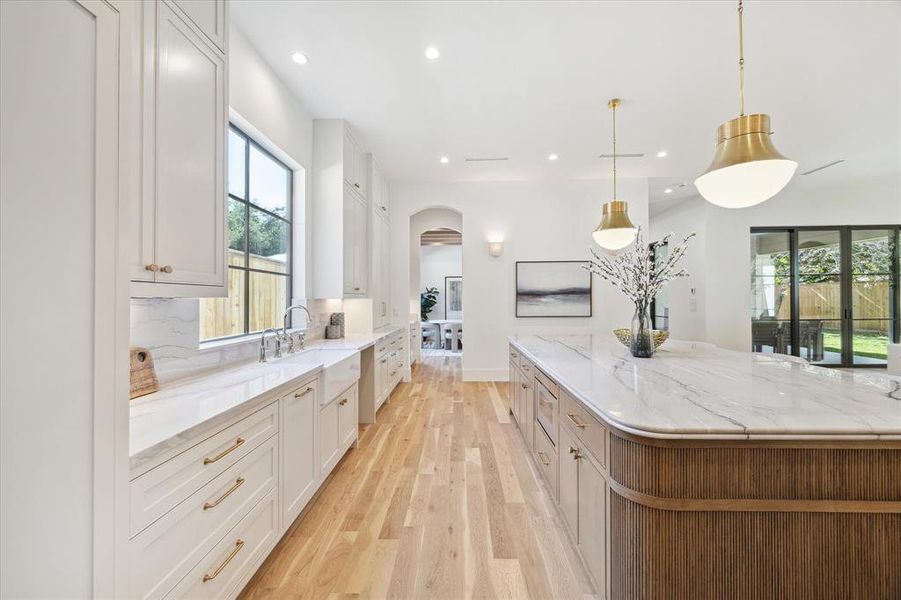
(268,235)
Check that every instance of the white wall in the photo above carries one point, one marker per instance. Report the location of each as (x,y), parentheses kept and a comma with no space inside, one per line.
(549,220)
(722,256)
(436,263)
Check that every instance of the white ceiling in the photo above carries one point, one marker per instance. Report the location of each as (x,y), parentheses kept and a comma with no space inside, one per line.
(525,79)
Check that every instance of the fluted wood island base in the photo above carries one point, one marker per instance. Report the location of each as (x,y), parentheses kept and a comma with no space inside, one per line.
(787,486)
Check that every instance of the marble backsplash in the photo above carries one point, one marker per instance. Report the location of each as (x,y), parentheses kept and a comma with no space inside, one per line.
(170,328)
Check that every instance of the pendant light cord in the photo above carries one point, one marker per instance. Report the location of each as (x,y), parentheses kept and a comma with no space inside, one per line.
(741,58)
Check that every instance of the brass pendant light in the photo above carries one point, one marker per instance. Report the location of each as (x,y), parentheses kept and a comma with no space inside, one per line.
(746,169)
(615,231)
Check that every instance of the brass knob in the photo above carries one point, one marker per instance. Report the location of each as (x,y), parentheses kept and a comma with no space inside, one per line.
(152,267)
(356,185)
(166,269)
(343,402)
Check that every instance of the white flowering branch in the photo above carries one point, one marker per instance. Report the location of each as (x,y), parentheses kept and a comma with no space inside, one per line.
(634,271)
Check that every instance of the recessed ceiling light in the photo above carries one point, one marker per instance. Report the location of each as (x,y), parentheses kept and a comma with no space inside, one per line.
(552,157)
(668,191)
(432,53)
(300,58)
(444,160)
(661,154)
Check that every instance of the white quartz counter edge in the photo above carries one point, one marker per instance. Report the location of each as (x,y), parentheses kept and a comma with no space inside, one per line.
(587,404)
(357,341)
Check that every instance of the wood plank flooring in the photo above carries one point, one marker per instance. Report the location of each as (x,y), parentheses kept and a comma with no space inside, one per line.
(439,500)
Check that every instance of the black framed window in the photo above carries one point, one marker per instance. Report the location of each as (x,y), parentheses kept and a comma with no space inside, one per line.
(259,243)
(827,294)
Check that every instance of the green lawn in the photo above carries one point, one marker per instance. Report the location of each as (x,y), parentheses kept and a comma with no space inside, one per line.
(872,345)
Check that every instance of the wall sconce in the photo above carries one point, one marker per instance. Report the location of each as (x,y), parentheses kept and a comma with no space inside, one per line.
(495,249)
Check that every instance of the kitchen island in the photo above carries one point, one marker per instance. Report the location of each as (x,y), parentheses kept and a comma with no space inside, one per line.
(710,473)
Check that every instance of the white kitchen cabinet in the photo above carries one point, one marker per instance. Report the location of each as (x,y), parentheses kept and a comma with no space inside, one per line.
(381,381)
(340,213)
(209,16)
(178,218)
(298,414)
(329,443)
(348,418)
(593,518)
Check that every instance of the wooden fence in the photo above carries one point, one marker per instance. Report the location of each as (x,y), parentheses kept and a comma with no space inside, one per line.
(823,301)
(222,317)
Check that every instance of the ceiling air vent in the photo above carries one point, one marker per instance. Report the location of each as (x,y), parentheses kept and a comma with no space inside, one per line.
(633,155)
(826,166)
(485,158)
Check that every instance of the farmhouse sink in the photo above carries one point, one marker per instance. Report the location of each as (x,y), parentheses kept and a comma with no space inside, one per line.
(340,368)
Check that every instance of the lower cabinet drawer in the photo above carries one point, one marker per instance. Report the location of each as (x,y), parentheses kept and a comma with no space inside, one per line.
(165,552)
(546,457)
(156,492)
(228,567)
(589,431)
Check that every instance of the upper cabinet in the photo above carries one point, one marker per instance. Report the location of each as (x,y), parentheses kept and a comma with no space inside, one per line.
(209,16)
(340,212)
(178,219)
(380,247)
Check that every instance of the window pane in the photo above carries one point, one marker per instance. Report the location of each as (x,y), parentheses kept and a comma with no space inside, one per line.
(819,252)
(820,297)
(820,341)
(223,317)
(236,156)
(771,292)
(871,251)
(869,342)
(268,183)
(236,218)
(268,300)
(268,242)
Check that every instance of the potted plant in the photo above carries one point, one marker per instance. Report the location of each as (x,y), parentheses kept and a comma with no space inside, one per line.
(427,300)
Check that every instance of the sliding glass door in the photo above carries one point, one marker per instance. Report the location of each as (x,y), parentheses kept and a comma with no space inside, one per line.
(829,295)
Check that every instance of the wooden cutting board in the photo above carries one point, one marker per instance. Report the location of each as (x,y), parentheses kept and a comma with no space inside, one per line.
(143,374)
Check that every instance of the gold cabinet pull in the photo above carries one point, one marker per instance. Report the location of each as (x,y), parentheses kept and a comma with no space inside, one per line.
(524,386)
(238,483)
(544,459)
(226,452)
(526,368)
(575,452)
(238,545)
(153,267)
(166,269)
(357,185)
(572,418)
(342,402)
(303,393)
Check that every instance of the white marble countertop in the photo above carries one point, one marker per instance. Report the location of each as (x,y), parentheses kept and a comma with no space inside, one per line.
(699,391)
(165,419)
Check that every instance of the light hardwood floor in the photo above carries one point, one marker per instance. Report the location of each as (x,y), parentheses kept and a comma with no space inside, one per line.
(439,500)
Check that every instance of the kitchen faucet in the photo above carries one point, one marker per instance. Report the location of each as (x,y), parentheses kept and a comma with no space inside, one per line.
(301,334)
(278,344)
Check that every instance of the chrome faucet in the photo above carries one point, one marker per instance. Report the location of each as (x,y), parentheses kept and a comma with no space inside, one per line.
(302,335)
(278,344)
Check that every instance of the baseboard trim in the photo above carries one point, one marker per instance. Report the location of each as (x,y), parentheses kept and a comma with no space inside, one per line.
(486,374)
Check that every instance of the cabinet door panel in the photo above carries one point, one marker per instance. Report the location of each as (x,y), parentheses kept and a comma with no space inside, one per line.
(361,247)
(593,519)
(361,175)
(348,242)
(328,437)
(347,417)
(349,153)
(208,16)
(189,155)
(298,438)
(568,494)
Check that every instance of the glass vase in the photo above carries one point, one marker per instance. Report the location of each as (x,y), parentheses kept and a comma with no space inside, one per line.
(642,343)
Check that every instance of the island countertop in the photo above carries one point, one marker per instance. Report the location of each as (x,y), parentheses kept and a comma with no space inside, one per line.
(690,390)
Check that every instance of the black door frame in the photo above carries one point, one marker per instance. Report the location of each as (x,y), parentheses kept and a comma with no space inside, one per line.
(847,317)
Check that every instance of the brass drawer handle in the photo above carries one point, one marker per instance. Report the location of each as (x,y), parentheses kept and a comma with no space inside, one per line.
(238,483)
(514,355)
(342,402)
(524,386)
(226,452)
(572,418)
(303,393)
(526,368)
(544,459)
(238,545)
(153,267)
(575,452)
(166,269)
